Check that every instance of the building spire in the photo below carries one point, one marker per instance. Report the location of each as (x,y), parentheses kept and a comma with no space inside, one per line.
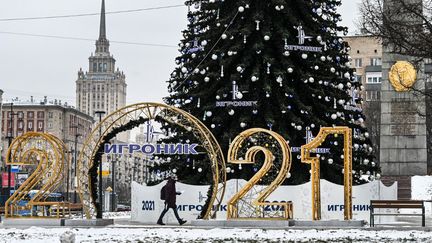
(102,28)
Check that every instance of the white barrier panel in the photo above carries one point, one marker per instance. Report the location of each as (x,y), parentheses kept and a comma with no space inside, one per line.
(421,189)
(147,206)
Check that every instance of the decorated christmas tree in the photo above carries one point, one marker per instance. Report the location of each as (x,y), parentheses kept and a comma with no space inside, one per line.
(278,64)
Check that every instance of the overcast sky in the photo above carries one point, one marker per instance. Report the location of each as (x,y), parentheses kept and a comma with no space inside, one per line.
(41,66)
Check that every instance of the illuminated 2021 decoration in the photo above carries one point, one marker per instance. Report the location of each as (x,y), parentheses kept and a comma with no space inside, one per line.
(309,148)
(49,155)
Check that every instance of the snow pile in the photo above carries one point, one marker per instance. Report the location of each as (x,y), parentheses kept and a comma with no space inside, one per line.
(155,235)
(67,237)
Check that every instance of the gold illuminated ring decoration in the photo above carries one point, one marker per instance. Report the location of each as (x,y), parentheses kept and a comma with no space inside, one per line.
(402,76)
(151,111)
(240,206)
(48,154)
(309,148)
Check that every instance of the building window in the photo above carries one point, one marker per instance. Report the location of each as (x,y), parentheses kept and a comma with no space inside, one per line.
(50,125)
(94,68)
(374,80)
(368,95)
(100,67)
(20,115)
(372,95)
(50,115)
(40,114)
(104,67)
(40,125)
(20,125)
(376,61)
(358,62)
(30,114)
(29,125)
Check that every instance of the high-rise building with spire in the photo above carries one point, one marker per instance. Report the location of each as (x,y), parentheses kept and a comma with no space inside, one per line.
(102,87)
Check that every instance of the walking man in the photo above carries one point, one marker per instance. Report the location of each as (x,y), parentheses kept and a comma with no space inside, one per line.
(169,194)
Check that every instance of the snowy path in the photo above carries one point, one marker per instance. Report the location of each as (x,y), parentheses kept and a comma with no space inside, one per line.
(35,235)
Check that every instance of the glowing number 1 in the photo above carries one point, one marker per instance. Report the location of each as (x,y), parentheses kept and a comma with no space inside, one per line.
(315,169)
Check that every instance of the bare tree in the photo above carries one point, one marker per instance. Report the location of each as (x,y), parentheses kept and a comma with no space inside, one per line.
(404,26)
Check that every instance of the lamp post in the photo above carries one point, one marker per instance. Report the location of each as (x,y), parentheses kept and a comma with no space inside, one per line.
(113,183)
(68,178)
(99,209)
(146,169)
(76,134)
(10,137)
(1,128)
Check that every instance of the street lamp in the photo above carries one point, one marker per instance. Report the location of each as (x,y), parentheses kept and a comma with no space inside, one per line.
(10,137)
(1,128)
(68,177)
(99,209)
(113,183)
(76,134)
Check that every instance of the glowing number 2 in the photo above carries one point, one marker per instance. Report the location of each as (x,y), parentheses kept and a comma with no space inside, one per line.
(48,153)
(259,203)
(315,169)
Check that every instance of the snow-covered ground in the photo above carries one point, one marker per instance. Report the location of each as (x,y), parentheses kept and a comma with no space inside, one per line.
(155,235)
(126,231)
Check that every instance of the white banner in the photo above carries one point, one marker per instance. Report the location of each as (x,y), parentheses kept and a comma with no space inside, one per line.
(421,189)
(147,206)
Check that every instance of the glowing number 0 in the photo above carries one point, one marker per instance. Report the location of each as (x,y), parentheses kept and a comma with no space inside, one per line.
(259,203)
(315,169)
